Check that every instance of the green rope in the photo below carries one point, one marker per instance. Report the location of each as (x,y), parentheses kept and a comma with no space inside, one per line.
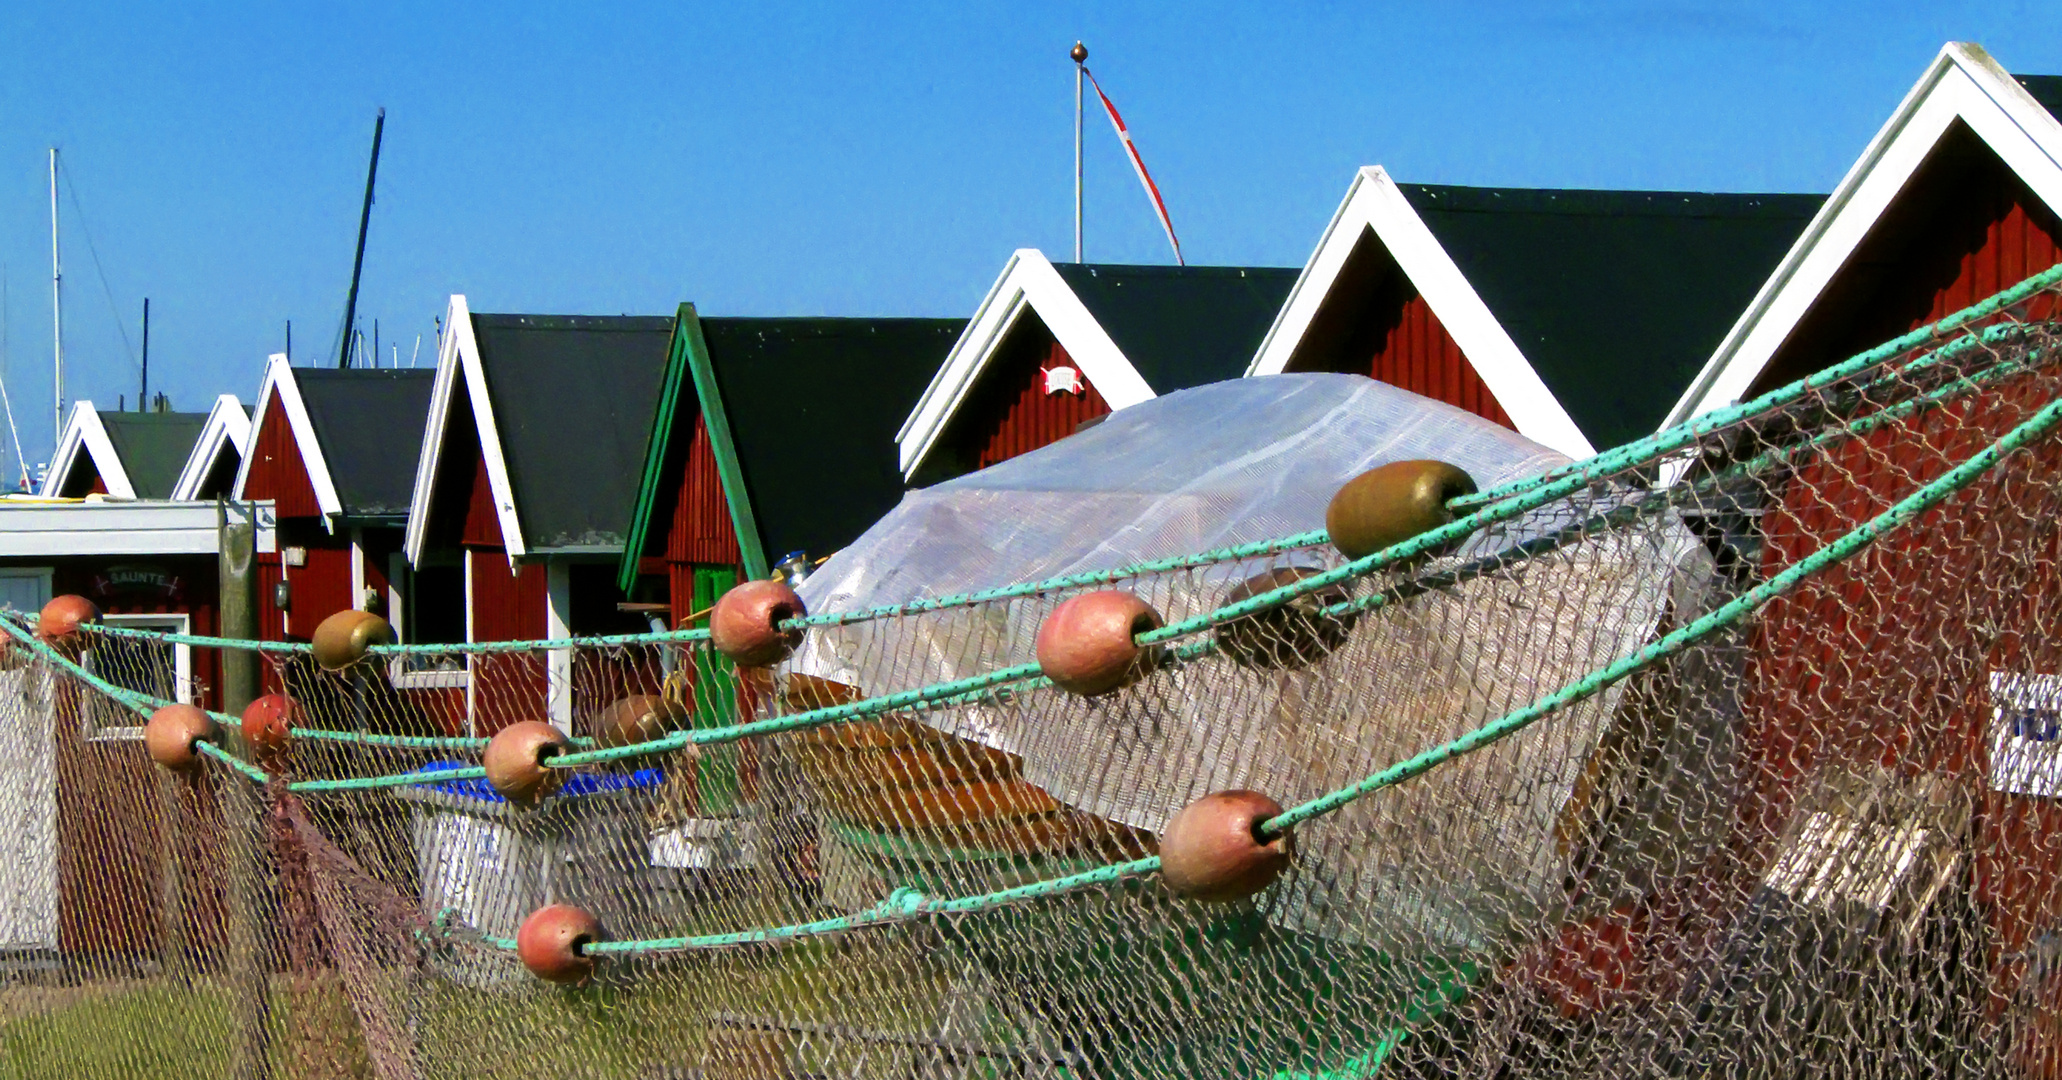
(1667,441)
(907,904)
(364,783)
(923,695)
(110,630)
(135,701)
(1849,544)
(601,641)
(1629,455)
(404,742)
(209,749)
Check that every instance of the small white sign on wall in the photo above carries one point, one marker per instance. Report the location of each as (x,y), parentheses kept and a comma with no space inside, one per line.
(2026,734)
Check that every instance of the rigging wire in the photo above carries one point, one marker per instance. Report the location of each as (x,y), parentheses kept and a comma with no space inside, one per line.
(6,355)
(64,170)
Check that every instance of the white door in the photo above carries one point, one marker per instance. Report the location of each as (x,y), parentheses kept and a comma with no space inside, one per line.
(28,786)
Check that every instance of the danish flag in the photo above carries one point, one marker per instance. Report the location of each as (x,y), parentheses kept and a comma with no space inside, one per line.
(1138,163)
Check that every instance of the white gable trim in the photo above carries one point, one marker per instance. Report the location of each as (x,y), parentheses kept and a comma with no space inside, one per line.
(282,391)
(1374,203)
(228,427)
(84,433)
(458,357)
(1028,282)
(1964,84)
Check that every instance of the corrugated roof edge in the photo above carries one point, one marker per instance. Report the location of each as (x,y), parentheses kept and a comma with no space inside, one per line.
(2046,89)
(1154,269)
(1605,202)
(640,323)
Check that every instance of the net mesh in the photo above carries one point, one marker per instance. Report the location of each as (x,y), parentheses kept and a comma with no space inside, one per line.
(1730,754)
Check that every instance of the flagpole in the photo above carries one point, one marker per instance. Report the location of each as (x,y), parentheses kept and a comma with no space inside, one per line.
(1080,55)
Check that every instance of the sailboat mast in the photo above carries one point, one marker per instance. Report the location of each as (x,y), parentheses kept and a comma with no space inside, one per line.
(56,311)
(379,126)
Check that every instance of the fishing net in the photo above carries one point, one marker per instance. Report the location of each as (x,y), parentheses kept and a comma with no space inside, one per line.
(1733,752)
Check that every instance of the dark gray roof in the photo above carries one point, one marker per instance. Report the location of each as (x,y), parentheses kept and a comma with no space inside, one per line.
(2046,89)
(573,397)
(1617,298)
(153,447)
(1182,326)
(369,424)
(814,405)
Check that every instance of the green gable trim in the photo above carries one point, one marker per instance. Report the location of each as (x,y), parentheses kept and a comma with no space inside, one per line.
(718,419)
(655,455)
(689,356)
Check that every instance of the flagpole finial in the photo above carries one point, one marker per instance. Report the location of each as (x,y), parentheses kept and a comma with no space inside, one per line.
(1079,52)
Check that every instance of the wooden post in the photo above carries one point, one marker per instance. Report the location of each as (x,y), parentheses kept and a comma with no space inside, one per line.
(242,814)
(237,606)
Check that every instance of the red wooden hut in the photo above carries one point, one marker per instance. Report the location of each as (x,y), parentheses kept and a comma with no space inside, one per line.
(334,451)
(84,779)
(1573,317)
(1053,346)
(529,466)
(217,456)
(1927,663)
(772,436)
(126,455)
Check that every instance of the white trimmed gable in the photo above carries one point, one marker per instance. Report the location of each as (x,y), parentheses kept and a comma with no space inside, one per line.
(1375,204)
(1028,284)
(85,439)
(228,430)
(280,391)
(458,358)
(1963,85)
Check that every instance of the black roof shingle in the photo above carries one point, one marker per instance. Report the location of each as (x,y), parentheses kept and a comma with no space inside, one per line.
(1617,298)
(813,406)
(573,397)
(1182,326)
(2046,89)
(153,447)
(369,424)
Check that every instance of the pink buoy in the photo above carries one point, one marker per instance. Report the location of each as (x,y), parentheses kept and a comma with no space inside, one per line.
(1212,850)
(745,624)
(1085,646)
(268,724)
(170,735)
(552,943)
(1391,503)
(515,761)
(61,618)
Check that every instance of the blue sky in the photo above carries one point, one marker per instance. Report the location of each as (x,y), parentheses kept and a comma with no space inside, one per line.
(824,159)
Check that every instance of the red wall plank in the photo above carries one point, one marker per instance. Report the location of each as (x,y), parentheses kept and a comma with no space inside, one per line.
(507,607)
(482,521)
(277,471)
(1374,322)
(701,530)
(1418,355)
(1964,228)
(320,588)
(1007,411)
(1886,657)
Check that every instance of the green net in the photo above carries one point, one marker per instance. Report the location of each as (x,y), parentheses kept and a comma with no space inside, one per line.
(1732,753)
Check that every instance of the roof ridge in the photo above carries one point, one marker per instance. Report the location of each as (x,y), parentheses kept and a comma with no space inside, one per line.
(1459,198)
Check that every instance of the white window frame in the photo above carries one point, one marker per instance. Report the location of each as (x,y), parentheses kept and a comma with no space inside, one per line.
(43,574)
(92,727)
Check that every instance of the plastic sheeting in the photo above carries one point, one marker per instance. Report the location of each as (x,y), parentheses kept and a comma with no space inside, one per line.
(1243,461)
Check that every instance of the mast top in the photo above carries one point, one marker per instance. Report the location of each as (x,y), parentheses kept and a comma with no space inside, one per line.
(1079,52)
